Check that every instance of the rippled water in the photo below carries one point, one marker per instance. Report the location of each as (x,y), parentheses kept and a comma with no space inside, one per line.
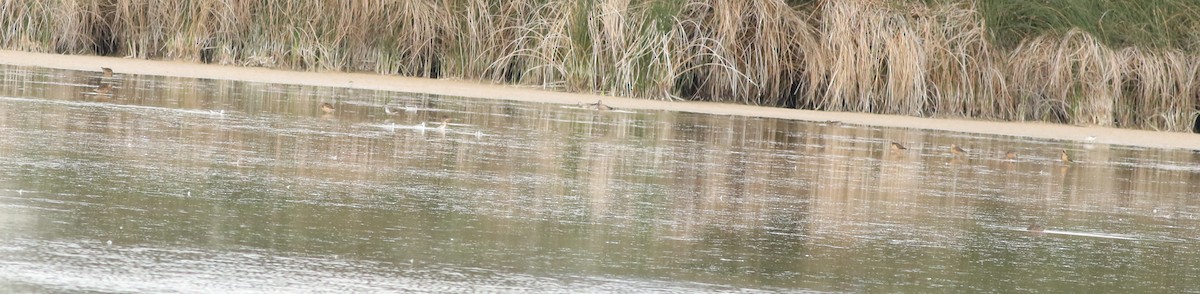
(173,184)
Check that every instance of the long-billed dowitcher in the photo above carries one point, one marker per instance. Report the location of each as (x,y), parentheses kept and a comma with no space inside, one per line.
(108,73)
(1065,157)
(327,108)
(898,147)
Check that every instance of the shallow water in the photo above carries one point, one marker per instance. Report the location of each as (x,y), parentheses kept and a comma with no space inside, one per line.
(174,184)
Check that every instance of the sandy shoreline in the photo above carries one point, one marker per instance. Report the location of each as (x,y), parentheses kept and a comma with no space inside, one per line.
(494,91)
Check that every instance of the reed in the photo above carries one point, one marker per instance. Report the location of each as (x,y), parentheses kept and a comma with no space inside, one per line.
(912,59)
(1067,79)
(1130,64)
(1153,84)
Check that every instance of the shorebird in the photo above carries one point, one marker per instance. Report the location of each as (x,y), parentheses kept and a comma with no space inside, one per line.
(1065,158)
(445,122)
(327,108)
(898,147)
(389,111)
(1010,155)
(955,150)
(108,73)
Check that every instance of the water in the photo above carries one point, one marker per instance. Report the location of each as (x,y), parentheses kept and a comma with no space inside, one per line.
(184,185)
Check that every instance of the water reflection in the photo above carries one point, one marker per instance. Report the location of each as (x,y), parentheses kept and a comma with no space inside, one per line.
(226,185)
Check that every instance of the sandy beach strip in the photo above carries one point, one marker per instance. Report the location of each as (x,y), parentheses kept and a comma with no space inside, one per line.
(520,93)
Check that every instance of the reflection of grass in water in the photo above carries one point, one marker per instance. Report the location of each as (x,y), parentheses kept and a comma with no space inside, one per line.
(1010,60)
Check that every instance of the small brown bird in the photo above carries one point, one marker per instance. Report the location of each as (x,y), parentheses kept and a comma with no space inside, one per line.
(1035,228)
(1065,158)
(898,147)
(1010,155)
(108,73)
(327,108)
(955,150)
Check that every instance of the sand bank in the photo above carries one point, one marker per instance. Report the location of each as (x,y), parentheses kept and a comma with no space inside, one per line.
(495,91)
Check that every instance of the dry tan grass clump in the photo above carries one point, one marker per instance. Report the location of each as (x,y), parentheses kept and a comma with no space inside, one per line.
(1074,79)
(51,26)
(1066,79)
(914,60)
(754,52)
(1156,89)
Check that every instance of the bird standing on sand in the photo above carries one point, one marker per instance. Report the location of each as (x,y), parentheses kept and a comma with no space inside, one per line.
(898,147)
(1065,158)
(327,108)
(956,151)
(108,73)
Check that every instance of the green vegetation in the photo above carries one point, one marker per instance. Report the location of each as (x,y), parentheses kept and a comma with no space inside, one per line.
(1116,23)
(1123,63)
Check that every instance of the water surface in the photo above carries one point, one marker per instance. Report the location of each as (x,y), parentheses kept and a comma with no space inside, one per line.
(172,184)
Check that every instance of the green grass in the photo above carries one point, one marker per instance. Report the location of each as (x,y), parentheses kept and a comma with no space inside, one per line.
(1116,23)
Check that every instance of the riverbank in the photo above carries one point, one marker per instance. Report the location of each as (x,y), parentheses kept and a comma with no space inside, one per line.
(1103,135)
(1126,64)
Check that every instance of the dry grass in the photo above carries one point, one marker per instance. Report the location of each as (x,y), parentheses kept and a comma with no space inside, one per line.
(1066,79)
(931,58)
(1153,83)
(1074,79)
(914,60)
(753,52)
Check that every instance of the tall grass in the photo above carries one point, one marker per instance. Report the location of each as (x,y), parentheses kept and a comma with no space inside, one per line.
(1123,63)
(1073,78)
